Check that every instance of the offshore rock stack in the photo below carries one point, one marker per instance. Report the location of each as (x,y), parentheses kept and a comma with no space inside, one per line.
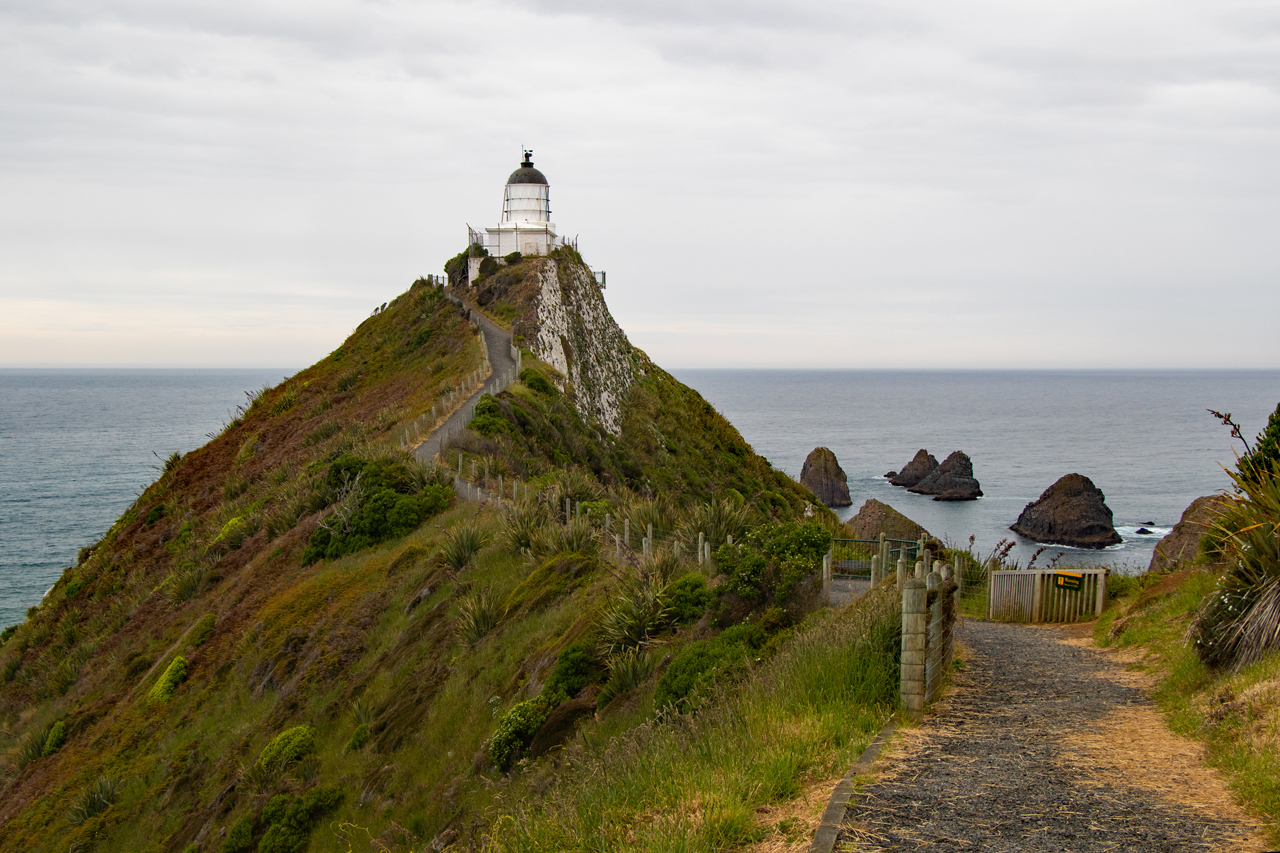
(823,476)
(1073,512)
(953,480)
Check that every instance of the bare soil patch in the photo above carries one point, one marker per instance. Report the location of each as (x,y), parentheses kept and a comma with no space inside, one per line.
(1045,744)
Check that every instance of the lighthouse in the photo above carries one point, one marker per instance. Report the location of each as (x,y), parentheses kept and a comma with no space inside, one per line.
(526,225)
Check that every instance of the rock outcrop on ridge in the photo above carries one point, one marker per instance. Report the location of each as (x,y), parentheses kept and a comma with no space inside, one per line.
(1180,547)
(875,518)
(823,476)
(575,333)
(953,480)
(1073,511)
(921,465)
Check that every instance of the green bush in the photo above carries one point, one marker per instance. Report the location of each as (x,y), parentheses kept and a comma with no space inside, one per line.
(688,597)
(289,746)
(240,838)
(359,738)
(55,739)
(516,729)
(156,513)
(290,820)
(377,500)
(488,419)
(535,381)
(577,665)
(420,338)
(7,633)
(201,631)
(514,258)
(488,266)
(772,559)
(1264,456)
(704,661)
(175,674)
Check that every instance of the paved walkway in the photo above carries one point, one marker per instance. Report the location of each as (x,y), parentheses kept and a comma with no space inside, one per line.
(498,340)
(1047,744)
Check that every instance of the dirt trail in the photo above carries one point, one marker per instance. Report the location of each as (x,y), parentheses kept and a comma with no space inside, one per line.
(1045,744)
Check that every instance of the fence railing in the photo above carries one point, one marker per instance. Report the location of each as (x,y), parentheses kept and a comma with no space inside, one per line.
(1047,595)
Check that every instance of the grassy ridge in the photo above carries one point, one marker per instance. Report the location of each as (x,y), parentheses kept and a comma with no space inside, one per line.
(137,700)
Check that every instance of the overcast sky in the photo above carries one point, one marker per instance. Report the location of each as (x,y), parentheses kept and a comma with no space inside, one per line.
(800,184)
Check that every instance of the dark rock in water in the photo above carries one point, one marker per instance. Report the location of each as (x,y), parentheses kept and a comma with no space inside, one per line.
(891,475)
(1142,531)
(823,476)
(922,465)
(875,518)
(1073,511)
(1181,546)
(951,481)
(560,724)
(1149,523)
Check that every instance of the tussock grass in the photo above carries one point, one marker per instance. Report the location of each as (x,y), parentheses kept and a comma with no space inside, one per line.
(695,782)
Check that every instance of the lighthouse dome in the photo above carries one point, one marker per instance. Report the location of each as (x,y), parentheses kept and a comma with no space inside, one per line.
(526,174)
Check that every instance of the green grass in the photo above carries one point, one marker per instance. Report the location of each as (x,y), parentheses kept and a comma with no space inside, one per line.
(1235,715)
(696,782)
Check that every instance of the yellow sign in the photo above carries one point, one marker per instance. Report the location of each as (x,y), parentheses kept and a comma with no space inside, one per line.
(1068,580)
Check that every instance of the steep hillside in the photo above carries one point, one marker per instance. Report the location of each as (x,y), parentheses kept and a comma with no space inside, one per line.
(299,637)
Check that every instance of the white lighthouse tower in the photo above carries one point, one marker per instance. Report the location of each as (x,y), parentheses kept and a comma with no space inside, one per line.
(526,225)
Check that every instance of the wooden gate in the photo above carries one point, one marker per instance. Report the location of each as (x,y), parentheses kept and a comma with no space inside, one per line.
(1047,595)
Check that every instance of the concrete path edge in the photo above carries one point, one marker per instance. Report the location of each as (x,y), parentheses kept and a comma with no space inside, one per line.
(824,838)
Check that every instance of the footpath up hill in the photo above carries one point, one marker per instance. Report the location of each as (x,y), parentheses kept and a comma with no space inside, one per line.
(300,638)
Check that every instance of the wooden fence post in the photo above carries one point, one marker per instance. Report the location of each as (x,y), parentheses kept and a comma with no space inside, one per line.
(902,567)
(701,549)
(933,638)
(875,571)
(914,625)
(1102,593)
(1037,595)
(958,574)
(826,578)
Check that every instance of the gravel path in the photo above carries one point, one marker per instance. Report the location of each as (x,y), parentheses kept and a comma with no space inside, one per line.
(1046,744)
(498,341)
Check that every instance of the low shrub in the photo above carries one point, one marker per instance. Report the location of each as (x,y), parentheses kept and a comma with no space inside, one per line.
(521,526)
(288,747)
(359,738)
(167,683)
(290,820)
(201,631)
(488,419)
(515,730)
(56,738)
(688,597)
(770,560)
(372,501)
(703,662)
(536,382)
(240,838)
(31,747)
(576,666)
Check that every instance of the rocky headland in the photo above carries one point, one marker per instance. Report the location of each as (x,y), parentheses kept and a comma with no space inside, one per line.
(1181,546)
(823,476)
(1073,512)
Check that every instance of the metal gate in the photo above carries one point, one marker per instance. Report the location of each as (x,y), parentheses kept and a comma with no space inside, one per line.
(1047,595)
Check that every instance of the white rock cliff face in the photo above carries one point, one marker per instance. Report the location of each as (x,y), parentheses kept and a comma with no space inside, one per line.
(578,336)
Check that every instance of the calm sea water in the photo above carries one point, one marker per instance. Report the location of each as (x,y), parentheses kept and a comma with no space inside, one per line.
(1143,437)
(78,446)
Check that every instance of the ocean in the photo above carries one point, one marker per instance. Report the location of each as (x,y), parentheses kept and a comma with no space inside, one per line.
(78,446)
(1143,437)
